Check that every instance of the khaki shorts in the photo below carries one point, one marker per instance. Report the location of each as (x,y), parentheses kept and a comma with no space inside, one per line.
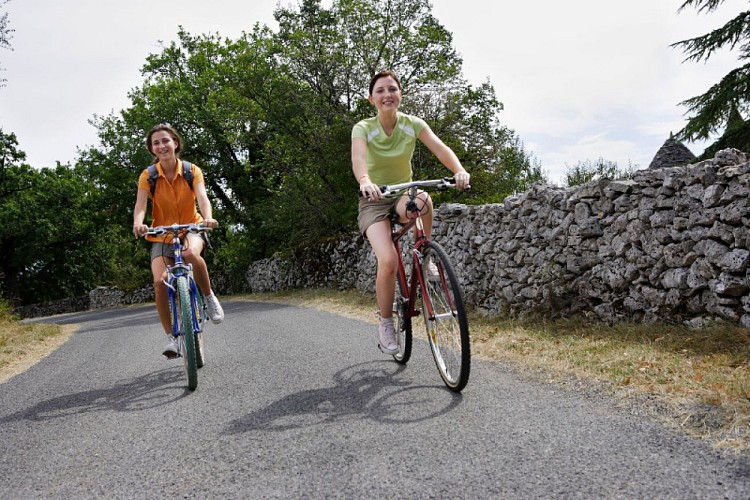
(159,249)
(371,211)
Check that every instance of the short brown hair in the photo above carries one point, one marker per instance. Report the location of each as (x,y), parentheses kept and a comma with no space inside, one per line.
(168,129)
(383,74)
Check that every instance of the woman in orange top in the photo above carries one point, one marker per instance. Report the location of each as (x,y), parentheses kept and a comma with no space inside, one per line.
(173,202)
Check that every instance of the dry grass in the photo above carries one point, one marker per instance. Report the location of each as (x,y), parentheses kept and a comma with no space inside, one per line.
(22,344)
(696,381)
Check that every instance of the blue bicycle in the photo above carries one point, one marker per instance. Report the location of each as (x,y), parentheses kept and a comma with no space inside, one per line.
(187,305)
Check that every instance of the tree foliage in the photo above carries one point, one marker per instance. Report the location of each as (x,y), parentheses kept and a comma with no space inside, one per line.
(53,242)
(268,117)
(726,105)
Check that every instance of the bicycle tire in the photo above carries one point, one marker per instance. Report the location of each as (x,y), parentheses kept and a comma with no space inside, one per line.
(448,330)
(402,323)
(199,311)
(188,336)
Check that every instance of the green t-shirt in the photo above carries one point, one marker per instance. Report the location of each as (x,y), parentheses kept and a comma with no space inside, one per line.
(389,158)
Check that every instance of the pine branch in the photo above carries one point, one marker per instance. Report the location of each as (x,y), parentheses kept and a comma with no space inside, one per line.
(701,5)
(714,107)
(702,47)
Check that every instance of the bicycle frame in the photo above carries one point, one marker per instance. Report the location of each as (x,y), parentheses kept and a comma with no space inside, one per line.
(416,281)
(181,268)
(185,301)
(178,269)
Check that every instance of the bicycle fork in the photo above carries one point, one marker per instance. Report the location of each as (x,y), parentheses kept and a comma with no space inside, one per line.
(181,270)
(432,315)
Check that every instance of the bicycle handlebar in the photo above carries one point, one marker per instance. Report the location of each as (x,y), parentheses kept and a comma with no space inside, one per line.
(445,182)
(174,228)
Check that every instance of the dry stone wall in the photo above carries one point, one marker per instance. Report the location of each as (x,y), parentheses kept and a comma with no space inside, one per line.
(53,308)
(669,244)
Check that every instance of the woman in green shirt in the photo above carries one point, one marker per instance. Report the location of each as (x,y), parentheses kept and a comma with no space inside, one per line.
(382,148)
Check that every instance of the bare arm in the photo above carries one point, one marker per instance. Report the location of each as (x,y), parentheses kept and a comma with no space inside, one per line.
(139,213)
(446,156)
(204,204)
(359,168)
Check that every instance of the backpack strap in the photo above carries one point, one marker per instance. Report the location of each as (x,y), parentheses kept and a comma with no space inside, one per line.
(153,175)
(187,173)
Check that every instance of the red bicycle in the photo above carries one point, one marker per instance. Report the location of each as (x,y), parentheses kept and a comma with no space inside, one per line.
(432,281)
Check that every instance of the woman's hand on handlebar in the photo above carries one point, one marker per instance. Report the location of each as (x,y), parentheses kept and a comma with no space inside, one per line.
(211,223)
(139,230)
(462,179)
(369,190)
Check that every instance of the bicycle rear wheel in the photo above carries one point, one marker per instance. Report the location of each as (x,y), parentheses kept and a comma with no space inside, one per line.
(402,323)
(445,318)
(188,336)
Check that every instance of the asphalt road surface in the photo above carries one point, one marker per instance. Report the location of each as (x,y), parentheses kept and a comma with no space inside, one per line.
(298,403)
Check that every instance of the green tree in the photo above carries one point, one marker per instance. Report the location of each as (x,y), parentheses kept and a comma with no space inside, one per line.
(587,170)
(268,117)
(725,105)
(229,99)
(51,245)
(338,50)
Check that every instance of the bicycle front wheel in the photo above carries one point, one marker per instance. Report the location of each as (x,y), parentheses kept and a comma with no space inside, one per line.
(199,313)
(402,322)
(188,335)
(445,317)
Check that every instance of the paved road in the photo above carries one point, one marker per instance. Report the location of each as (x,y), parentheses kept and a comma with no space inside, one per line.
(297,403)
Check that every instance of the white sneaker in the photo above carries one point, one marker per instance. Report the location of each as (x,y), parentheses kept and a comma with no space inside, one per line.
(172,350)
(215,312)
(387,336)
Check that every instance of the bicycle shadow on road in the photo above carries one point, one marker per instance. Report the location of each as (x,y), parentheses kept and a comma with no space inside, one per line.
(148,391)
(362,391)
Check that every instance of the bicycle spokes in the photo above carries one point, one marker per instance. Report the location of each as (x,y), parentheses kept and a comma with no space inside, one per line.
(445,318)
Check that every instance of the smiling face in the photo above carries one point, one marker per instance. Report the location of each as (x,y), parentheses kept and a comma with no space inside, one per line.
(385,94)
(163,145)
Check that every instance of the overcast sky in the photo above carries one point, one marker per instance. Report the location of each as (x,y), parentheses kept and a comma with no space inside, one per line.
(580,79)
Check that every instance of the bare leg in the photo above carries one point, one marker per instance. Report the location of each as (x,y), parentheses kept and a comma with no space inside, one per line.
(379,235)
(426,212)
(424,202)
(192,255)
(161,297)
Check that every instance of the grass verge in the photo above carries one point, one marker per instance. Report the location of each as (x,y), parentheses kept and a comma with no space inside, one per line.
(23,344)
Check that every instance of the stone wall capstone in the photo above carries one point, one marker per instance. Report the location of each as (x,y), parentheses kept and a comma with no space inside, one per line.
(670,244)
